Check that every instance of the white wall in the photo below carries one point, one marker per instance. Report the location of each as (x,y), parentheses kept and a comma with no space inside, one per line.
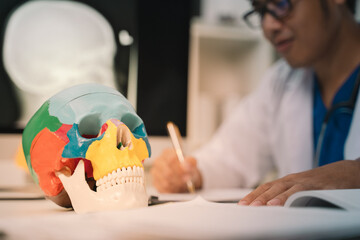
(213,10)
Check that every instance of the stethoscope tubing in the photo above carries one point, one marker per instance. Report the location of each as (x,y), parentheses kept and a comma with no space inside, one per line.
(348,105)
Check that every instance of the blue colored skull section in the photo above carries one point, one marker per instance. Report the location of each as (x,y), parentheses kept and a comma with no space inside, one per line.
(91,105)
(78,145)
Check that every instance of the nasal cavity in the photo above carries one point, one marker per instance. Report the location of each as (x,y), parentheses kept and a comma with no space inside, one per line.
(89,126)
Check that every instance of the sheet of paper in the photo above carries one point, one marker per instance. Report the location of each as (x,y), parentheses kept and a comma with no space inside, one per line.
(25,192)
(215,195)
(10,195)
(347,199)
(196,219)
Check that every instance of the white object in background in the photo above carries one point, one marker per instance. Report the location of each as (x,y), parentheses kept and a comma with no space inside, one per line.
(226,11)
(228,105)
(12,176)
(223,61)
(125,39)
(208,117)
(51,45)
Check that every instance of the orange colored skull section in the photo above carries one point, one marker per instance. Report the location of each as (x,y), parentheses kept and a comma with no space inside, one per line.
(48,145)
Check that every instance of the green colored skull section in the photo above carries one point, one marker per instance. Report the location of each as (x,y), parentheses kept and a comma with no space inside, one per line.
(41,120)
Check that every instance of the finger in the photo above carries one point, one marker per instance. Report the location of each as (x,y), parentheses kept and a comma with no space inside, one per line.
(176,168)
(254,194)
(166,180)
(193,172)
(189,167)
(162,184)
(166,165)
(190,163)
(163,158)
(170,161)
(168,173)
(276,188)
(160,177)
(280,199)
(166,176)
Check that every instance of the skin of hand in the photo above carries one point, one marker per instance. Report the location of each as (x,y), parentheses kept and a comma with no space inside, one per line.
(339,175)
(169,175)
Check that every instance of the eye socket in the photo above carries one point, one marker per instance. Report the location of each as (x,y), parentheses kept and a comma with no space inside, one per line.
(129,120)
(89,126)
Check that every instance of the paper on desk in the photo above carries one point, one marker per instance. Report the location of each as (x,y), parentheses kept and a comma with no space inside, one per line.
(12,195)
(196,219)
(347,199)
(215,195)
(28,192)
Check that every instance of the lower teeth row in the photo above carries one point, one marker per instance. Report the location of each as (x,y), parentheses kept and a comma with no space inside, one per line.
(119,181)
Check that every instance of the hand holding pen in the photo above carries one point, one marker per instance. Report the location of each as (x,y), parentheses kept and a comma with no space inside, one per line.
(170,174)
(175,136)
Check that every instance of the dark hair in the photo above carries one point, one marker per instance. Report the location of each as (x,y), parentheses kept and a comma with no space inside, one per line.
(351,4)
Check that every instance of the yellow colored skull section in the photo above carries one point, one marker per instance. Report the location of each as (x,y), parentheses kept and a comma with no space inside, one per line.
(117,149)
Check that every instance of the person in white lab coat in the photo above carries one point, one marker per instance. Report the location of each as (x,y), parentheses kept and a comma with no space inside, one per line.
(303,120)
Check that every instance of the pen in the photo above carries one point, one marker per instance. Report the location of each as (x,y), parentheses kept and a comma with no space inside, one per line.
(175,136)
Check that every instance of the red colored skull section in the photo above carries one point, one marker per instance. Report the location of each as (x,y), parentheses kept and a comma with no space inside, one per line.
(49,145)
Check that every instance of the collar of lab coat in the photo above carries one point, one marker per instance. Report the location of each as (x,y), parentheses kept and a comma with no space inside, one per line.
(293,125)
(297,133)
(352,144)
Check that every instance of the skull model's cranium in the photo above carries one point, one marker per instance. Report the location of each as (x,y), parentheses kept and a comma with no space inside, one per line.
(85,133)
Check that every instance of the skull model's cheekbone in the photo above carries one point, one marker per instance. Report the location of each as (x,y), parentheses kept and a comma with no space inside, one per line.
(85,133)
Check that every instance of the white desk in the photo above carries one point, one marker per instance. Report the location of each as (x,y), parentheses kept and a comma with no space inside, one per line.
(196,219)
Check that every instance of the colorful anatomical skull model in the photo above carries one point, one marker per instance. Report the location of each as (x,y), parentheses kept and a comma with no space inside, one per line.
(85,133)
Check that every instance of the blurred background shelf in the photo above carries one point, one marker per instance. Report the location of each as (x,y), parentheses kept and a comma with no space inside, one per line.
(226,62)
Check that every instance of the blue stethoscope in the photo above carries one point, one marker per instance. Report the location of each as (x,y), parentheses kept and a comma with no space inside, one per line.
(346,107)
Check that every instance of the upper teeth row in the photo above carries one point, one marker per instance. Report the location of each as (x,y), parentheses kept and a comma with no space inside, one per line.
(120,173)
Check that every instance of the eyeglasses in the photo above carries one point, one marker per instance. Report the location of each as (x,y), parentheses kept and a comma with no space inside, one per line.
(279,9)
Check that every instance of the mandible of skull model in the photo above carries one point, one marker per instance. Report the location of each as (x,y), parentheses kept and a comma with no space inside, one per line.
(84,134)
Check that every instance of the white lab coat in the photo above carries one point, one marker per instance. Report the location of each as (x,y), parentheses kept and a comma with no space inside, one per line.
(270,129)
